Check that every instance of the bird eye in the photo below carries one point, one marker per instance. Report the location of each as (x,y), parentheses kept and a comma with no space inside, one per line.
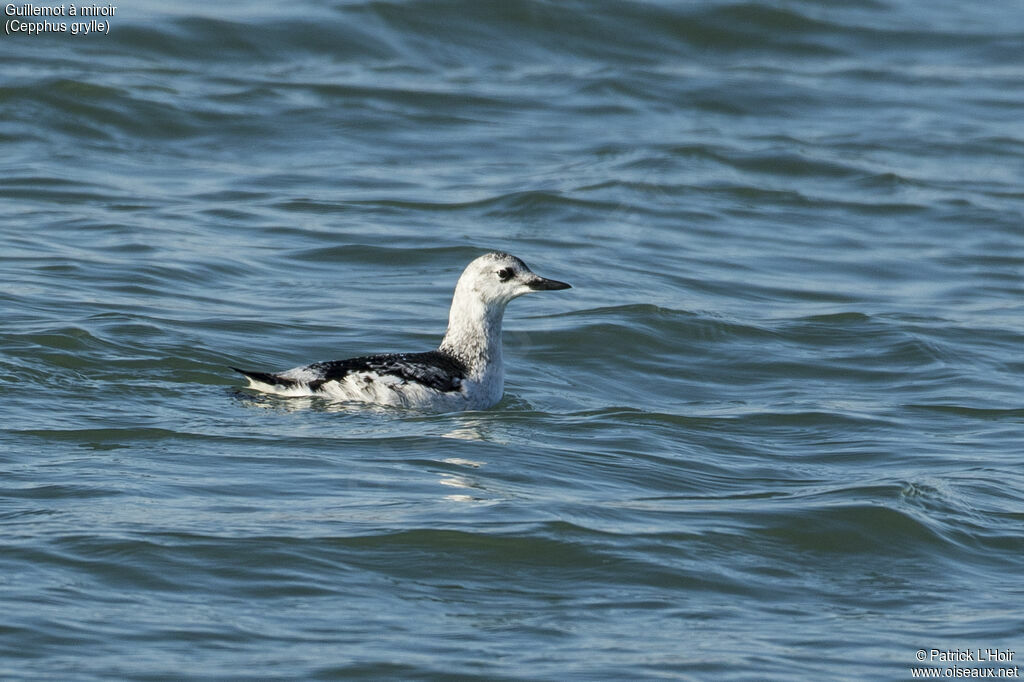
(505,274)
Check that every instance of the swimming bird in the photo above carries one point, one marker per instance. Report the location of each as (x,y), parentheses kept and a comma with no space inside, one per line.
(464,373)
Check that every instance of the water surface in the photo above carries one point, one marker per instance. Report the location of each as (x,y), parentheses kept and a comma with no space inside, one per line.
(774,430)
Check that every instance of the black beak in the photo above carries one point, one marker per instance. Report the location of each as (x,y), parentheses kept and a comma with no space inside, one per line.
(542,284)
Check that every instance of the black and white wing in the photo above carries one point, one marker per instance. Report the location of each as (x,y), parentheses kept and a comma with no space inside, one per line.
(434,370)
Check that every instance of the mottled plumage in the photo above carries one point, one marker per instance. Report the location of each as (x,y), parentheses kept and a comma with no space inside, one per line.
(465,372)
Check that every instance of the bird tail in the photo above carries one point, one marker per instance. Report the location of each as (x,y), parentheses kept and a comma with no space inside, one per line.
(266,378)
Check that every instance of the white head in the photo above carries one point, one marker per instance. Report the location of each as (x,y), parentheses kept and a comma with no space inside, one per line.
(474,323)
(499,277)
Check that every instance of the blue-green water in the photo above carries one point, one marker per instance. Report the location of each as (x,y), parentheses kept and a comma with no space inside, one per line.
(774,431)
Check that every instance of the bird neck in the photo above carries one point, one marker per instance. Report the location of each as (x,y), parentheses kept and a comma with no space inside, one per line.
(474,333)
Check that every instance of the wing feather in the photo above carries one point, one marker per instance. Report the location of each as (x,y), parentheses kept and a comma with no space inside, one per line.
(434,369)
